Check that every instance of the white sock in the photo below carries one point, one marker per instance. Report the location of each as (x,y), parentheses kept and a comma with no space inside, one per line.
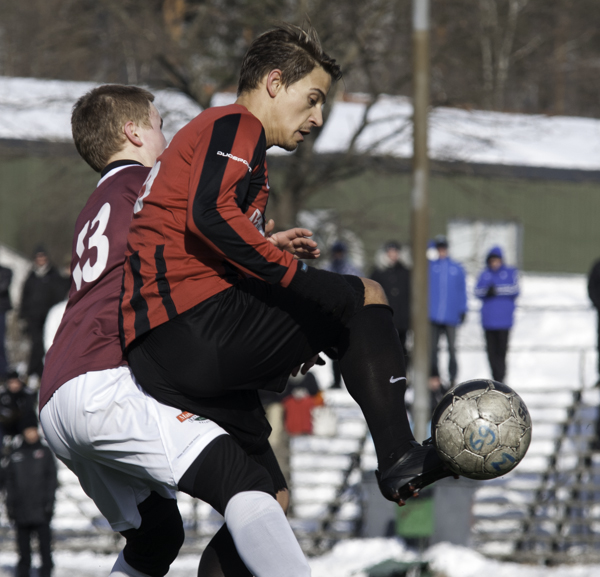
(122,569)
(263,536)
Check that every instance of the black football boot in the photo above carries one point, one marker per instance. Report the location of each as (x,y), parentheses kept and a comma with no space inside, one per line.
(416,469)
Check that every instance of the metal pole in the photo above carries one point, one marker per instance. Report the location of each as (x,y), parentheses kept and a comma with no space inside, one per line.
(420,219)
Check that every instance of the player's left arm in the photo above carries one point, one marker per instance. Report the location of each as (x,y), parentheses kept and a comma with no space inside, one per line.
(296,241)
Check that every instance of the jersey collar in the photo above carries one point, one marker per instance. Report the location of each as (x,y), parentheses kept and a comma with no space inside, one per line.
(115,166)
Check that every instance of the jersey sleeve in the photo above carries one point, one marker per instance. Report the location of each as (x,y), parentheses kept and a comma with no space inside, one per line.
(221,181)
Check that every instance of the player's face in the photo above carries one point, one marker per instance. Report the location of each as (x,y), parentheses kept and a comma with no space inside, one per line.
(153,138)
(300,108)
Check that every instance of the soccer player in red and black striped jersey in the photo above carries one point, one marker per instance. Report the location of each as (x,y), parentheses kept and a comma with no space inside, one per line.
(211,305)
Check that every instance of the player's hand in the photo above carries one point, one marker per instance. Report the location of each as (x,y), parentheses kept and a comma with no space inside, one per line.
(269,228)
(316,360)
(294,241)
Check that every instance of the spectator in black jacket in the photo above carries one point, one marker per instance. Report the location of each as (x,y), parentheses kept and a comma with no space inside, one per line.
(43,288)
(5,306)
(594,294)
(394,277)
(16,400)
(31,483)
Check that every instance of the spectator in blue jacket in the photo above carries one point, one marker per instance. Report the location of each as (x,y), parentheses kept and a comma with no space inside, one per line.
(497,287)
(447,308)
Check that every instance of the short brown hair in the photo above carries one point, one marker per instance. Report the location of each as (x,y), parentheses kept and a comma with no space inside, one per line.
(98,118)
(291,49)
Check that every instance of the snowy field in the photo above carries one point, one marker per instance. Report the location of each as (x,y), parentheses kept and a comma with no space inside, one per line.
(351,558)
(552,345)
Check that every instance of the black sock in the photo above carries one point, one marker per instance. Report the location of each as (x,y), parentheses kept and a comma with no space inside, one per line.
(220,557)
(374,370)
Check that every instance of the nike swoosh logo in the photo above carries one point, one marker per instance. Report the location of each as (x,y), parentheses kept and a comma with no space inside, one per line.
(393,380)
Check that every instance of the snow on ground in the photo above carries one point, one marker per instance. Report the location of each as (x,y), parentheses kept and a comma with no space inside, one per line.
(350,558)
(68,564)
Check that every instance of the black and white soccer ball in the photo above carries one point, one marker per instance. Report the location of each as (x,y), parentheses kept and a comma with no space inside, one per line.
(481,429)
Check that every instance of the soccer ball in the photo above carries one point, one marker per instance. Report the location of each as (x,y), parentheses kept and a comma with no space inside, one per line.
(481,429)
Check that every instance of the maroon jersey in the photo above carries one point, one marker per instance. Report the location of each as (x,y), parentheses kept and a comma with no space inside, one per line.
(88,336)
(199,222)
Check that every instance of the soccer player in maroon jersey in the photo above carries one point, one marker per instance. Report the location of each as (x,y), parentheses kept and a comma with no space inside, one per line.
(212,306)
(128,450)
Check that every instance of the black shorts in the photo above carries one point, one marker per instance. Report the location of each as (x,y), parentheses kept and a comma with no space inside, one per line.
(223,470)
(249,336)
(220,352)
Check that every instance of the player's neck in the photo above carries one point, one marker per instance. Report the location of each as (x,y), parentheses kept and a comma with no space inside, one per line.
(118,164)
(254,103)
(133,153)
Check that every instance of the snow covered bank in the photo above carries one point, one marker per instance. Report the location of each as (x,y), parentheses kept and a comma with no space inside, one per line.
(351,558)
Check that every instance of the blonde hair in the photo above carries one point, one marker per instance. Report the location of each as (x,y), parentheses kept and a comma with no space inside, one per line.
(98,118)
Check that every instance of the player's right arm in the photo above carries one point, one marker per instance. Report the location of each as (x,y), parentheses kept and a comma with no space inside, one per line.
(223,166)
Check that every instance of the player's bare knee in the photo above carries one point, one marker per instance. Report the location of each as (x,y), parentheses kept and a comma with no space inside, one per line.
(374,293)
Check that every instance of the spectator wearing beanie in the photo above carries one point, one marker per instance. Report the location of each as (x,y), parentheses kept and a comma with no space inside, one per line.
(31,484)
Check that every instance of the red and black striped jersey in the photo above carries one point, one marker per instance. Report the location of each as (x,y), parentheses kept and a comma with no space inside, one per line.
(198,224)
(88,336)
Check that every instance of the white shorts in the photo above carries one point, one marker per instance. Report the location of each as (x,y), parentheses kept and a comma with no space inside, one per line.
(122,443)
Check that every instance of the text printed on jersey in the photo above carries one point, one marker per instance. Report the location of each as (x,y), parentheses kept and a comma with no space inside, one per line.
(236,158)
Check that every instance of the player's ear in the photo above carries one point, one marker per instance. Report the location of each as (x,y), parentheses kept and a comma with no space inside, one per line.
(132,134)
(274,84)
